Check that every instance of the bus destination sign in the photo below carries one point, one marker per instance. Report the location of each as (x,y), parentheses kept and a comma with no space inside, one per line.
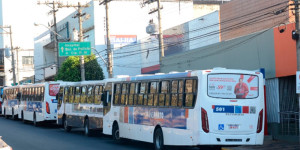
(74,48)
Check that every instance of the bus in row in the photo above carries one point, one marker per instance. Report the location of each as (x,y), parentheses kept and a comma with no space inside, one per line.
(33,102)
(80,104)
(195,108)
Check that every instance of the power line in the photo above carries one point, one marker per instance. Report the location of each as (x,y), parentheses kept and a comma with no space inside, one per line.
(238,25)
(222,23)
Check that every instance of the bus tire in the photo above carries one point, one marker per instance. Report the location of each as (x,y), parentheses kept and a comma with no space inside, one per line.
(158,139)
(66,127)
(5,115)
(86,127)
(22,117)
(13,117)
(34,120)
(116,132)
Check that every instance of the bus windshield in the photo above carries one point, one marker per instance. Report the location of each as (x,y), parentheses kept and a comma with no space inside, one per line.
(232,86)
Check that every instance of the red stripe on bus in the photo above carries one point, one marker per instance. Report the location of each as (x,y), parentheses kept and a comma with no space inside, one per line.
(253,88)
(126,115)
(186,113)
(250,79)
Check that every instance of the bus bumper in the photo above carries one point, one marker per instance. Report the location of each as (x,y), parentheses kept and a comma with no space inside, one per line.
(218,139)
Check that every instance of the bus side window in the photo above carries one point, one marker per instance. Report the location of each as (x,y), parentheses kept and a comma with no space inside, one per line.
(77,94)
(42,93)
(83,95)
(174,93)
(164,97)
(152,94)
(125,95)
(117,94)
(66,94)
(180,93)
(131,93)
(141,93)
(70,95)
(90,95)
(190,94)
(136,91)
(145,93)
(97,99)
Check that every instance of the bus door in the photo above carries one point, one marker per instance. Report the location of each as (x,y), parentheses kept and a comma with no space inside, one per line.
(107,98)
(60,105)
(234,104)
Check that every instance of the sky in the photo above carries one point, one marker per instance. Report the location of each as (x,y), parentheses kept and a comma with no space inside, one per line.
(22,14)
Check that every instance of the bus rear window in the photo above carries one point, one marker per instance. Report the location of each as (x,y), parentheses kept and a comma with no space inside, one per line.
(53,89)
(232,86)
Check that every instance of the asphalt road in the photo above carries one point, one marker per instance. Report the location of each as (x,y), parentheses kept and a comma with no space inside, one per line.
(24,136)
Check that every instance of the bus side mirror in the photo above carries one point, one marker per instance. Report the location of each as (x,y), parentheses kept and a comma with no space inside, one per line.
(56,96)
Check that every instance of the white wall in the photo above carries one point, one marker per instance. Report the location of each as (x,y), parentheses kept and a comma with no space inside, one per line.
(204,30)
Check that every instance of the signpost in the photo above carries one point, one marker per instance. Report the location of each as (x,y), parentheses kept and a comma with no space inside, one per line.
(74,48)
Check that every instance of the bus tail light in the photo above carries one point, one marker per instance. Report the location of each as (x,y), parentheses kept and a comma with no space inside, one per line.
(260,121)
(204,119)
(47,108)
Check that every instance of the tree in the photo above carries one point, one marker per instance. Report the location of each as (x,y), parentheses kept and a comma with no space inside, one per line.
(70,69)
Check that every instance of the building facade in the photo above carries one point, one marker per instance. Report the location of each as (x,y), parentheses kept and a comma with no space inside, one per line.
(22,41)
(252,38)
(128,22)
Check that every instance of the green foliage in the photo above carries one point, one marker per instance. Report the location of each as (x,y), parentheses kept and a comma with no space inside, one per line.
(70,69)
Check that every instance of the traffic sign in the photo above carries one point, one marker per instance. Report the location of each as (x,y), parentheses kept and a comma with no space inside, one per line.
(74,48)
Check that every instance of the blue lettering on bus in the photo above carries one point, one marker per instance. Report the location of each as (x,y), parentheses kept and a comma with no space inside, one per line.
(54,100)
(223,109)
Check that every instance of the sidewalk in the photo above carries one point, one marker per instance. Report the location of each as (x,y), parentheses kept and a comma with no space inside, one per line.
(269,144)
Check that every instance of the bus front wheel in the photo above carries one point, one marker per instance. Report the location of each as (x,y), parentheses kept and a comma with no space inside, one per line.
(158,139)
(22,117)
(116,132)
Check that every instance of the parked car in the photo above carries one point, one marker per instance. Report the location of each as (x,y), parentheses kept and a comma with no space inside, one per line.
(3,145)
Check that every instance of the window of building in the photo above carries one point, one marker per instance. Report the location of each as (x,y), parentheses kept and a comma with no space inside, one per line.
(27,60)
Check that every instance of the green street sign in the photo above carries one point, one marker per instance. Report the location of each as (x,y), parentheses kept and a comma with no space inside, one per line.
(74,48)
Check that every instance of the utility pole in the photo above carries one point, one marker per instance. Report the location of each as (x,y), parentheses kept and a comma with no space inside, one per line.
(79,15)
(109,51)
(161,40)
(12,57)
(12,52)
(297,19)
(53,11)
(160,34)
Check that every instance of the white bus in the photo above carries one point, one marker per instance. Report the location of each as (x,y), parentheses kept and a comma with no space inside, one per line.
(11,100)
(80,104)
(196,108)
(38,103)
